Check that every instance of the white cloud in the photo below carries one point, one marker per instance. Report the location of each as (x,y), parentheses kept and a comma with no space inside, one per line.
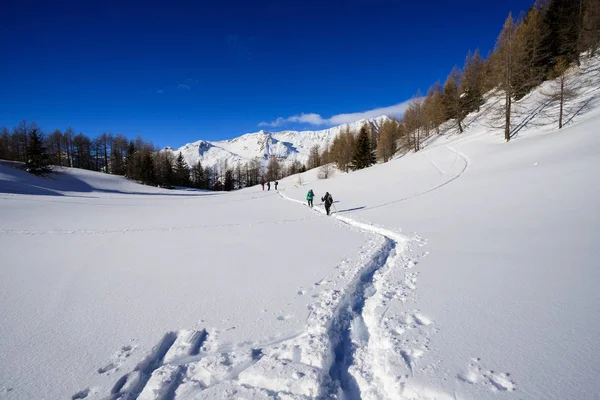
(160,91)
(184,86)
(397,110)
(312,118)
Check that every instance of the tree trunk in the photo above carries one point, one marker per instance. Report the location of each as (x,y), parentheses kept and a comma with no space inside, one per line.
(562,100)
(507,122)
(105,156)
(69,152)
(580,33)
(59,153)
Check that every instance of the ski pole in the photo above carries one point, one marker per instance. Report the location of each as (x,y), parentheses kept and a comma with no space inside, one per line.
(335,208)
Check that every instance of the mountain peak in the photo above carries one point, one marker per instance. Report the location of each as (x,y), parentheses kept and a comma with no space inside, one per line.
(286,145)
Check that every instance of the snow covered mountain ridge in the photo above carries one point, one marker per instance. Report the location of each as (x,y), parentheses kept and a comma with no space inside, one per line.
(288,146)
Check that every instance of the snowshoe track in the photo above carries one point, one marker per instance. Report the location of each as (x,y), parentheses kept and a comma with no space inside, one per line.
(343,350)
(367,346)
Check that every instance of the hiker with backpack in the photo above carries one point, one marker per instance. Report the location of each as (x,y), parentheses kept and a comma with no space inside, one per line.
(276,183)
(328,200)
(309,197)
(268,186)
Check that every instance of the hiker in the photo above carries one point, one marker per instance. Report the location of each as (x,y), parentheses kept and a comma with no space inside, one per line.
(328,200)
(276,183)
(263,185)
(309,197)
(268,185)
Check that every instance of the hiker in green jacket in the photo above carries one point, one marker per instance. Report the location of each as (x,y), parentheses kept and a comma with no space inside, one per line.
(309,197)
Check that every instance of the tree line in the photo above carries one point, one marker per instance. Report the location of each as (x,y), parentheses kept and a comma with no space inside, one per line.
(136,159)
(540,45)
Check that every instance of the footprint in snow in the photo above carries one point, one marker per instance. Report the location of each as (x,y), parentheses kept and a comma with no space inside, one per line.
(82,394)
(117,359)
(496,381)
(422,320)
(470,376)
(500,381)
(399,330)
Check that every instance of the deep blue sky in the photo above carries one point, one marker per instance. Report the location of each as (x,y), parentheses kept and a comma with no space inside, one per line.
(177,72)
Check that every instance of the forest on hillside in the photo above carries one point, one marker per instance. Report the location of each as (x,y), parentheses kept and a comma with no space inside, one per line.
(540,45)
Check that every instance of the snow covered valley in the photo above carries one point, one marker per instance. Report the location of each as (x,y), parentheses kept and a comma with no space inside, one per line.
(468,270)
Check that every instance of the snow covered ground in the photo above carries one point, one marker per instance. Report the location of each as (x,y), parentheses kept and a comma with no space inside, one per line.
(466,271)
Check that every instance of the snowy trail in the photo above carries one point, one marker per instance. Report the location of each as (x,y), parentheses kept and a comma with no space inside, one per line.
(368,347)
(339,352)
(452,178)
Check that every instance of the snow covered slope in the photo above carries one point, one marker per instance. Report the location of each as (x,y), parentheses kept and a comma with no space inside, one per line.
(466,271)
(90,279)
(288,146)
(70,182)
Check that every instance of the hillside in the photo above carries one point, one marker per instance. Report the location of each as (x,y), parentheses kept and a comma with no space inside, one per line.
(288,146)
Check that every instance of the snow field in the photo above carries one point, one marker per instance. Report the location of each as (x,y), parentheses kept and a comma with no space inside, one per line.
(465,271)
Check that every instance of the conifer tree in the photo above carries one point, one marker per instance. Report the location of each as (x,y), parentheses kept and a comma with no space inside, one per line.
(530,52)
(163,162)
(472,83)
(147,173)
(294,167)
(238,175)
(228,185)
(452,98)
(314,157)
(197,176)
(386,146)
(507,50)
(342,149)
(373,135)
(564,21)
(181,171)
(5,151)
(38,158)
(273,168)
(118,155)
(55,141)
(589,39)
(413,122)
(68,144)
(130,160)
(433,108)
(363,154)
(561,89)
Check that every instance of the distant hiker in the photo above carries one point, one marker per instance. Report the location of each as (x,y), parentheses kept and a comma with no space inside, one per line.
(263,185)
(328,200)
(268,185)
(309,197)
(276,183)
